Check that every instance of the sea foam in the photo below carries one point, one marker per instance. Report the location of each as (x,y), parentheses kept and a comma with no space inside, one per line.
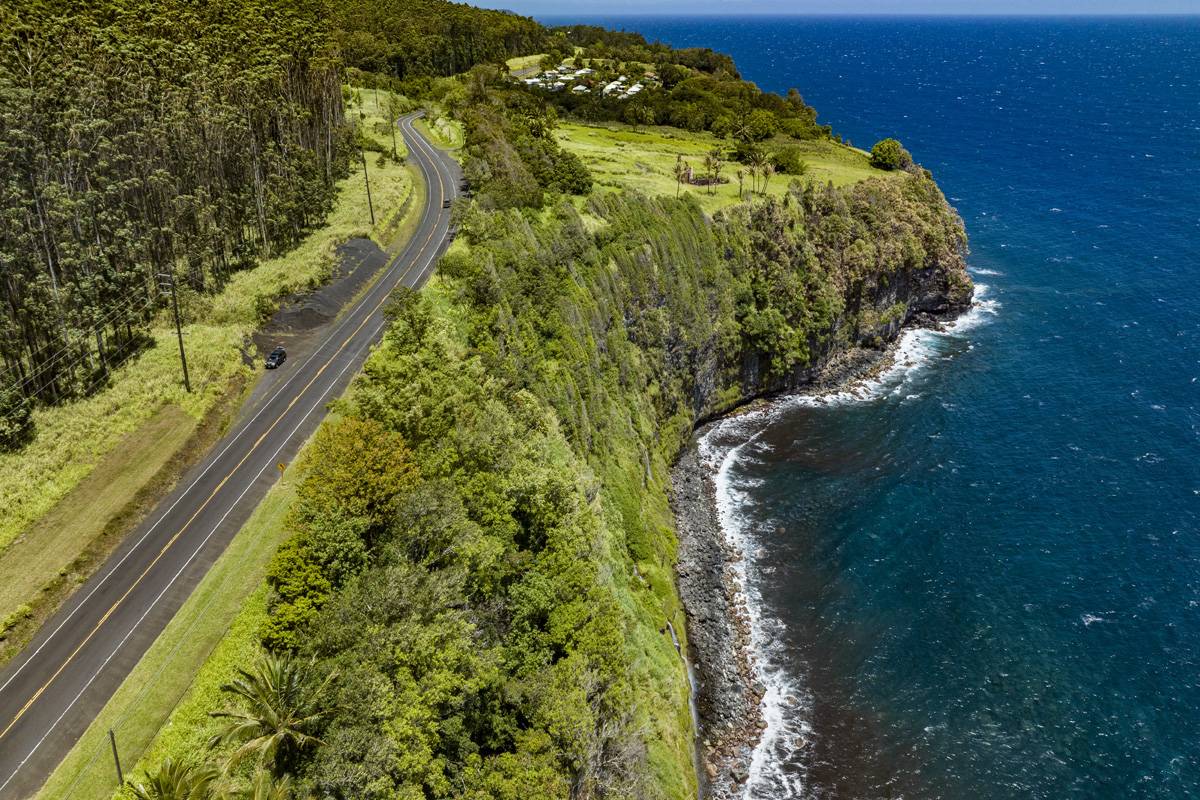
(772,772)
(776,767)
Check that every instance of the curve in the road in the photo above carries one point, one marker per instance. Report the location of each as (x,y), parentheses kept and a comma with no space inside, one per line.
(53,689)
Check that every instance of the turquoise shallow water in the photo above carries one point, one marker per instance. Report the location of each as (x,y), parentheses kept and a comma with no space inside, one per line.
(984,579)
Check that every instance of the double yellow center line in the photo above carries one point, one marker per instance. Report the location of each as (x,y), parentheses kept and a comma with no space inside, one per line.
(175,538)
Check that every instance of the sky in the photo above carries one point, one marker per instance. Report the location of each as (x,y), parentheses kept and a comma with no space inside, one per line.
(557,8)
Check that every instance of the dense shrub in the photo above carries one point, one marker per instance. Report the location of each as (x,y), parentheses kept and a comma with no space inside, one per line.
(789,159)
(355,471)
(890,154)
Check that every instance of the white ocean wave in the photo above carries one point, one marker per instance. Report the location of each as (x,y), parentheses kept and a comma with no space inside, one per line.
(777,768)
(774,770)
(913,352)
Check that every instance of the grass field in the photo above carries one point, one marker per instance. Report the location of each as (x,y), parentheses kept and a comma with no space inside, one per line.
(369,109)
(522,63)
(51,512)
(621,156)
(162,706)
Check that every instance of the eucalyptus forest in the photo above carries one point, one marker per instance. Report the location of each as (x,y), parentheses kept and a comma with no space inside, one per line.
(142,143)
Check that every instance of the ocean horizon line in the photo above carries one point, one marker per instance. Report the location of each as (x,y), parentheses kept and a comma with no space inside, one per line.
(612,15)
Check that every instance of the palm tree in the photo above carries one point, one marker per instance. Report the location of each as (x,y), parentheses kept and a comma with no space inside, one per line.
(680,171)
(741,176)
(714,165)
(266,787)
(768,171)
(758,166)
(281,705)
(177,780)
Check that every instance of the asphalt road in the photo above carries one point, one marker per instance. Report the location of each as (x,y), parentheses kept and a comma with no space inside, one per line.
(51,691)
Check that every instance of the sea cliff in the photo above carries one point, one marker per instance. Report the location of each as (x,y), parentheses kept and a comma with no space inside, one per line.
(858,345)
(516,428)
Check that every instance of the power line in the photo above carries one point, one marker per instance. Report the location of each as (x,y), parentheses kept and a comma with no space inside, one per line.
(92,385)
(67,350)
(107,318)
(103,320)
(83,336)
(129,310)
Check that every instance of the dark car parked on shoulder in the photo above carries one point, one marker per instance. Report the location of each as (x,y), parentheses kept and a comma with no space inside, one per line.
(277,357)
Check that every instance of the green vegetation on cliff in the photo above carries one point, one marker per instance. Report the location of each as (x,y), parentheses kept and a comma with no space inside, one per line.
(519,590)
(476,596)
(483,551)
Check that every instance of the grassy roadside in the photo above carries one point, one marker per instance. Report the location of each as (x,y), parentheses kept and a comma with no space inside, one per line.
(73,438)
(162,706)
(443,131)
(623,157)
(99,513)
(165,699)
(70,494)
(368,108)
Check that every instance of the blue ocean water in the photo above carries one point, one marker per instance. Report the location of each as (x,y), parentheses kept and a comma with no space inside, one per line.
(983,580)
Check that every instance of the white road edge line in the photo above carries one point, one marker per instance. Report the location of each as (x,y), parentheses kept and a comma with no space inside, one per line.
(236,437)
(287,440)
(320,401)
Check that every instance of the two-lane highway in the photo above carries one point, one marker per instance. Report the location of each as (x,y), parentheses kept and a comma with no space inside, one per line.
(51,691)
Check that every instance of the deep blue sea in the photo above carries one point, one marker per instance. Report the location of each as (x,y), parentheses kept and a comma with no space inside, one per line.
(981,579)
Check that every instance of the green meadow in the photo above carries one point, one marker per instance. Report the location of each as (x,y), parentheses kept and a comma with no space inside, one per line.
(625,157)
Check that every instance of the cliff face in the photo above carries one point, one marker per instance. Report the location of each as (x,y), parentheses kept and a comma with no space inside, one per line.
(637,317)
(917,276)
(543,385)
(825,272)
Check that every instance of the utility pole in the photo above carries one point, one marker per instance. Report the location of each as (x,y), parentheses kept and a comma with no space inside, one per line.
(367,177)
(112,738)
(170,282)
(394,124)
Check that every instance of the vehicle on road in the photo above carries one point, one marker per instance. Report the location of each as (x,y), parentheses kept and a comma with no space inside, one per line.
(55,688)
(277,357)
(446,203)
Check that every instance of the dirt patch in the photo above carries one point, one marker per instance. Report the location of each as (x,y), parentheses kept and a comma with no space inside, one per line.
(358,261)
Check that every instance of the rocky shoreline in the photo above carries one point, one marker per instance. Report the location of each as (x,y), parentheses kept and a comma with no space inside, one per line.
(728,693)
